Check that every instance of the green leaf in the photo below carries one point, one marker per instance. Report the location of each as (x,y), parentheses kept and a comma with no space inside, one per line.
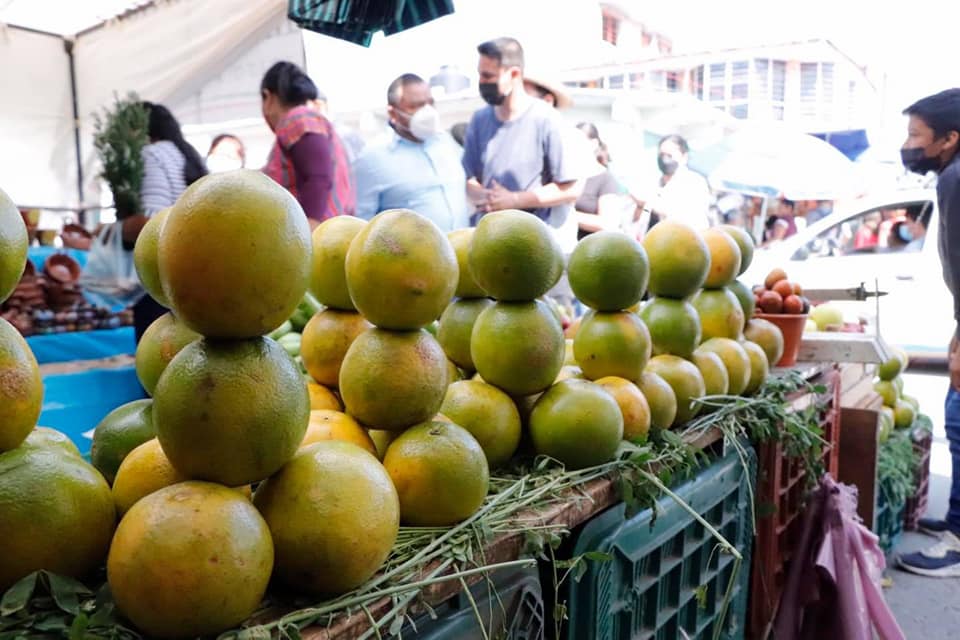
(17,596)
(579,571)
(66,592)
(598,556)
(102,615)
(78,630)
(700,593)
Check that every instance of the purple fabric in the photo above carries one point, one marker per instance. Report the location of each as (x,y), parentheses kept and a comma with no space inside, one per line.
(833,588)
(312,157)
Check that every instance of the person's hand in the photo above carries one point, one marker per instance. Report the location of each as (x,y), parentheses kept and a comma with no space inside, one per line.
(500,198)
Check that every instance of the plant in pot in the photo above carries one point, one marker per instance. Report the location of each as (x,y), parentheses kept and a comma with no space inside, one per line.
(119,137)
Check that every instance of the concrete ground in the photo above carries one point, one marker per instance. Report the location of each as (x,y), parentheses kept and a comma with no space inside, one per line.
(927,608)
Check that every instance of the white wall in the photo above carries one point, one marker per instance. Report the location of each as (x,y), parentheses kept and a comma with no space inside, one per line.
(37,165)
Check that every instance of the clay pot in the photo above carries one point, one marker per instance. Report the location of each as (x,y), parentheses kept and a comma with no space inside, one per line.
(62,268)
(76,237)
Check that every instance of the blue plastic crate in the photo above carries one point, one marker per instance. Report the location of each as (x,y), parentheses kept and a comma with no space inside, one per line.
(511,608)
(668,578)
(75,402)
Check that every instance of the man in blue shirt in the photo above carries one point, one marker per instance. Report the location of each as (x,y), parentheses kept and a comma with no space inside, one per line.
(933,144)
(419,167)
(514,154)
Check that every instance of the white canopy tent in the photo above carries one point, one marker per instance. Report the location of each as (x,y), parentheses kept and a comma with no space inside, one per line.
(168,51)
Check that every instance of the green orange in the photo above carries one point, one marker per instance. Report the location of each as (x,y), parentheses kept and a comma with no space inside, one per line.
(724,258)
(612,344)
(768,336)
(518,346)
(231,412)
(120,432)
(674,326)
(192,559)
(328,279)
(578,423)
(145,257)
(608,271)
(679,259)
(759,366)
(21,388)
(401,270)
(334,515)
(686,381)
(162,340)
(748,301)
(391,380)
(661,399)
(440,472)
(14,244)
(326,338)
(467,286)
(488,414)
(745,241)
(56,513)
(234,255)
(735,359)
(456,328)
(514,256)
(633,406)
(720,313)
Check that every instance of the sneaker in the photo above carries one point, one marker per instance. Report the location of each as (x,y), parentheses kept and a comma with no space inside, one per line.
(942,560)
(932,526)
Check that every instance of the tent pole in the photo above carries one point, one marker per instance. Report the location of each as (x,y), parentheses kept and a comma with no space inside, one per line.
(68,47)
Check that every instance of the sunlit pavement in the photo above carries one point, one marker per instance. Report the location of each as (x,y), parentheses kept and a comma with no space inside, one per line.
(927,607)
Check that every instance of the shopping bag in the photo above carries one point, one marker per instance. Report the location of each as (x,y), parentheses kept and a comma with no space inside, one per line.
(110,277)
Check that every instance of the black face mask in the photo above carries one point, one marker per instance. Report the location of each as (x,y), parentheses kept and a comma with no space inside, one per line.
(668,166)
(917,161)
(490,93)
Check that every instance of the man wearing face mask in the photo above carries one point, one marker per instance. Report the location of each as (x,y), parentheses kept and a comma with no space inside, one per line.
(933,140)
(514,154)
(682,194)
(419,166)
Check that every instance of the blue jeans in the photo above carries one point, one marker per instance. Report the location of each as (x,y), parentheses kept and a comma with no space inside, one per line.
(952,421)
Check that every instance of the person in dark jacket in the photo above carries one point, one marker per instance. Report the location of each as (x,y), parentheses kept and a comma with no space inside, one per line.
(933,140)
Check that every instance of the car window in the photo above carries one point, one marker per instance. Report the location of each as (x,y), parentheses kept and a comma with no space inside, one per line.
(892,228)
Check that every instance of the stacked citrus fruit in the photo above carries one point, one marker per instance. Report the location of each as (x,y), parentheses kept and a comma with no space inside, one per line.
(679,266)
(56,512)
(401,273)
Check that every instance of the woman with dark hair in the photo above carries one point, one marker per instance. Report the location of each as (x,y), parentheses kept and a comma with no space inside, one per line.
(603,203)
(682,194)
(308,157)
(170,163)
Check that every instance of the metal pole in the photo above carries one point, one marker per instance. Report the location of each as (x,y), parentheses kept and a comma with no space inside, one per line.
(68,47)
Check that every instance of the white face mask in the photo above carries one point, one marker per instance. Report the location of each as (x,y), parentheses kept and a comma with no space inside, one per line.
(218,163)
(425,122)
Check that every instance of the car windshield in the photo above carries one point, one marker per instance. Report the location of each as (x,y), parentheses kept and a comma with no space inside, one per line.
(897,227)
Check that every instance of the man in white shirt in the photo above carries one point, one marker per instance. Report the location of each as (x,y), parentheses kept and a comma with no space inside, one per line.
(419,166)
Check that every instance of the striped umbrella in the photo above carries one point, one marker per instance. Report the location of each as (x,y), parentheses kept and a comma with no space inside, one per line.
(357,20)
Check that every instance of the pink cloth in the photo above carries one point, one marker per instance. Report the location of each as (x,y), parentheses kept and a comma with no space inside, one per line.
(833,587)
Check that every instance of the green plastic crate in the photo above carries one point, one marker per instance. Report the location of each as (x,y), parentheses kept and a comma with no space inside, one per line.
(511,609)
(889,522)
(650,587)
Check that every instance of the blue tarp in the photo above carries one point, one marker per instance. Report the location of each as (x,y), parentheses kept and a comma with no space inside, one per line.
(850,143)
(75,402)
(82,345)
(39,255)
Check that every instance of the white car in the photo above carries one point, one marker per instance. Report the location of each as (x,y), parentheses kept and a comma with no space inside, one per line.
(860,243)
